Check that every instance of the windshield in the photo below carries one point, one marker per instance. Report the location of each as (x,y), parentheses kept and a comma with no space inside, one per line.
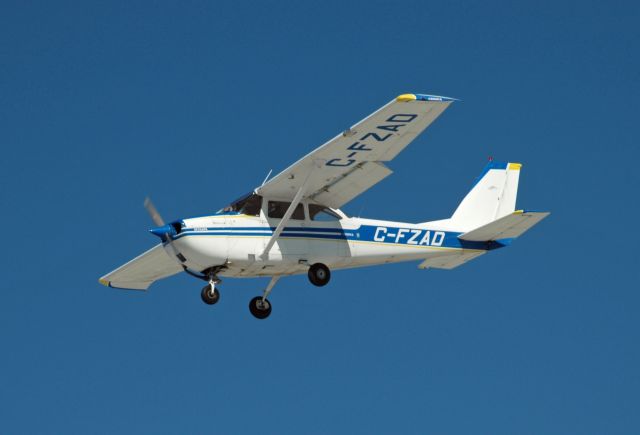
(249,204)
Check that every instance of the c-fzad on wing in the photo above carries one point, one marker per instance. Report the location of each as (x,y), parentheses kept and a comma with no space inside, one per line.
(352,162)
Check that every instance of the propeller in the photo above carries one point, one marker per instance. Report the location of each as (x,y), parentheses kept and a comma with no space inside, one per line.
(153,212)
(164,231)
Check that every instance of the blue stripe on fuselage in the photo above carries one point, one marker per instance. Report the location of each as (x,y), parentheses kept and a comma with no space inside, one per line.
(388,235)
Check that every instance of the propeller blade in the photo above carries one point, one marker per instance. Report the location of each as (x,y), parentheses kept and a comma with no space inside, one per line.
(163,231)
(153,212)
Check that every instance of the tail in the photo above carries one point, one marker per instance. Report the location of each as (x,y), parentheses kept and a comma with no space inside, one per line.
(487,214)
(493,196)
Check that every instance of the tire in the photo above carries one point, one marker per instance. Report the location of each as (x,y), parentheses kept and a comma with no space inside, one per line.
(260,309)
(319,274)
(208,297)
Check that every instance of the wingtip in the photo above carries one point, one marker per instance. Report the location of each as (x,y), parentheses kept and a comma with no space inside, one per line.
(104,282)
(404,98)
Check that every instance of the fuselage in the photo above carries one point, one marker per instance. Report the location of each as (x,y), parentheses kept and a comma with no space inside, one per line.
(237,241)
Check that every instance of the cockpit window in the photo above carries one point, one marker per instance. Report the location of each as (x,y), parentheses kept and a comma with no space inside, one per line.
(322,213)
(249,205)
(277,209)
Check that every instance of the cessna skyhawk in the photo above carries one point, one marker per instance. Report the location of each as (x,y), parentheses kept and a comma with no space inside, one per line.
(292,223)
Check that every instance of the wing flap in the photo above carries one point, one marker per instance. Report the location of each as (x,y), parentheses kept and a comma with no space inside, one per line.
(450,261)
(344,189)
(507,227)
(142,271)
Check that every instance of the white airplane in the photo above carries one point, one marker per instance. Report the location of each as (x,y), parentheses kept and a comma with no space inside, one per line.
(292,223)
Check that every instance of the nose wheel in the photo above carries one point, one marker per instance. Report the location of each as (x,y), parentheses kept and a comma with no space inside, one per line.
(210,294)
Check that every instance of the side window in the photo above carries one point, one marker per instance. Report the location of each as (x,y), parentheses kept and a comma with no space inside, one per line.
(322,213)
(277,209)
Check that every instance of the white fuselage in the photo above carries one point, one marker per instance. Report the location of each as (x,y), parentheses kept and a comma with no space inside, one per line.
(238,241)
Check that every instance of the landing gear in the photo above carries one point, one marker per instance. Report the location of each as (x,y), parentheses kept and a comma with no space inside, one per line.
(210,295)
(260,307)
(319,274)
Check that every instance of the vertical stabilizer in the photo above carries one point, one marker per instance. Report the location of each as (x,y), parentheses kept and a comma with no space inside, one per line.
(492,197)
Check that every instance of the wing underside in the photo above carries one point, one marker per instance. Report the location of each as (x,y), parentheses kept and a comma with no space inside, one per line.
(142,271)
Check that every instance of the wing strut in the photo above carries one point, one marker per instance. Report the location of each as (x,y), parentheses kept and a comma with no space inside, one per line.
(285,219)
(274,280)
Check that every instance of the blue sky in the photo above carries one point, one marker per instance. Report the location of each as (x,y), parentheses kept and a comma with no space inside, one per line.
(102,103)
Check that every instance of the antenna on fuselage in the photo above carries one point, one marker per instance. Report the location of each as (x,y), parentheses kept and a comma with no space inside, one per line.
(267,177)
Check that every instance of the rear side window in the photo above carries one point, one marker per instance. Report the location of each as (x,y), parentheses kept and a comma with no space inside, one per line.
(322,213)
(277,209)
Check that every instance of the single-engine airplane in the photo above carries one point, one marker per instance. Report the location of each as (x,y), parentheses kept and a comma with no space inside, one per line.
(292,223)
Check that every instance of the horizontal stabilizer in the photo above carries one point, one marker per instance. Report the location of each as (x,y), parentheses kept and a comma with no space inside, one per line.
(507,227)
(142,271)
(449,261)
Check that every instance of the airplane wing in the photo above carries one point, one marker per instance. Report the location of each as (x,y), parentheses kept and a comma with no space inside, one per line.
(352,162)
(142,271)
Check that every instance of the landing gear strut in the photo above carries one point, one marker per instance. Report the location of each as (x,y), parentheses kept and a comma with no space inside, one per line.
(319,274)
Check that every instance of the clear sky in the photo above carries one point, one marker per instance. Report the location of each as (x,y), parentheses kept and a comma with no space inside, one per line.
(102,103)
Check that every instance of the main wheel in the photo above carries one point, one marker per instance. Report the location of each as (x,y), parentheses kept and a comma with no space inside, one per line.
(319,274)
(210,296)
(260,308)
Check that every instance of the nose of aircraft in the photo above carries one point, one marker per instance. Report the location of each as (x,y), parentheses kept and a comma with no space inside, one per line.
(164,231)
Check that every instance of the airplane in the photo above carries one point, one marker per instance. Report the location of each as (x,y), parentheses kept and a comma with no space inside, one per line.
(292,223)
